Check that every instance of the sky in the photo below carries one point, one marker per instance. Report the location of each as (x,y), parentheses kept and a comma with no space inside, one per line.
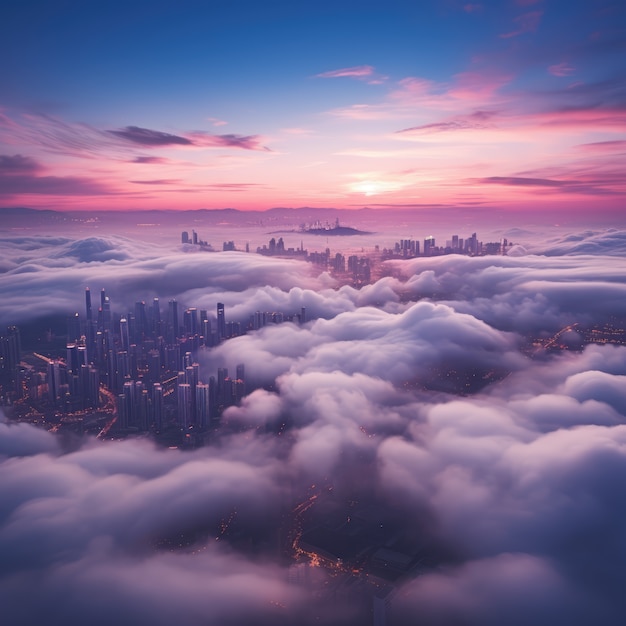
(472,116)
(143,105)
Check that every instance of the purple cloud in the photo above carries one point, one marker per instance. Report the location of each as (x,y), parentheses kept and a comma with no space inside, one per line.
(473,121)
(150,160)
(604,146)
(561,69)
(520,181)
(157,181)
(18,175)
(18,164)
(147,137)
(246,142)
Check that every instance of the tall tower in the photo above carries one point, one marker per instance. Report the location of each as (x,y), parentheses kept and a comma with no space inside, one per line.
(156,318)
(221,321)
(88,305)
(173,319)
(124,334)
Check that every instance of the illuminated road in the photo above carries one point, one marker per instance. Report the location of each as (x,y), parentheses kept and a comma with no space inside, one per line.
(554,340)
(110,407)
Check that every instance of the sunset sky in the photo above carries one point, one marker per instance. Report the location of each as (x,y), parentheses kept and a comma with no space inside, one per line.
(250,105)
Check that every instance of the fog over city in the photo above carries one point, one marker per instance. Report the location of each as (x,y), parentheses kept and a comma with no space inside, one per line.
(505,492)
(312,313)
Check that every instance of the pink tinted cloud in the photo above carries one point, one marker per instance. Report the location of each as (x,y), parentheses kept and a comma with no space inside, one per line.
(473,8)
(158,181)
(573,182)
(358,71)
(245,142)
(152,138)
(618,145)
(150,160)
(526,23)
(473,86)
(579,119)
(561,69)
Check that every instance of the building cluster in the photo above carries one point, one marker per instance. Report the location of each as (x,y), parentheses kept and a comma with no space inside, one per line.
(194,239)
(471,246)
(139,367)
(10,351)
(358,268)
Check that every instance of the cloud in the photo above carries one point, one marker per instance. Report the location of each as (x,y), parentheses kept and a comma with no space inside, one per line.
(53,271)
(249,142)
(359,71)
(23,440)
(151,138)
(561,69)
(23,175)
(604,146)
(608,182)
(526,23)
(157,181)
(150,160)
(521,181)
(147,137)
(440,127)
(507,489)
(18,165)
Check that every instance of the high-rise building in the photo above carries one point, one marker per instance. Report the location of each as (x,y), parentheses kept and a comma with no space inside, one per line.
(184,405)
(191,321)
(88,311)
(157,406)
(221,321)
(173,321)
(429,246)
(203,406)
(124,334)
(106,314)
(156,319)
(141,321)
(73,327)
(241,371)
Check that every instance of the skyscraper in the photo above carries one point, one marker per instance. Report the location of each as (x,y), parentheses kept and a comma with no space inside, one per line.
(221,321)
(124,334)
(173,320)
(88,305)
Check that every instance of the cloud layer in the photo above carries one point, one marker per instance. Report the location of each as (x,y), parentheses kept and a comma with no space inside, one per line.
(512,483)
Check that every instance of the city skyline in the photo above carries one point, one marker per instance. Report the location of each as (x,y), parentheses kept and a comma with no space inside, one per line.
(500,106)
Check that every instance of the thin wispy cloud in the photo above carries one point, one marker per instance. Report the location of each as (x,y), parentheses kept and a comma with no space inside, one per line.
(150,160)
(24,175)
(150,138)
(526,23)
(358,71)
(157,181)
(147,137)
(561,69)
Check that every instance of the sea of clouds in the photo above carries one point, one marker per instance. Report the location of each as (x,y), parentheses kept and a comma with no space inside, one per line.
(521,484)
